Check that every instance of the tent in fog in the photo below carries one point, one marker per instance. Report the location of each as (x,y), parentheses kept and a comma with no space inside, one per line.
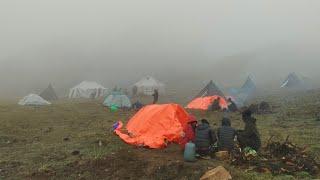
(211,89)
(87,89)
(147,85)
(33,100)
(49,94)
(292,81)
(249,86)
(204,103)
(155,126)
(118,99)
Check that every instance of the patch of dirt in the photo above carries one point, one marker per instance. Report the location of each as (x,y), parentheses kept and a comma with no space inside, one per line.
(7,168)
(136,163)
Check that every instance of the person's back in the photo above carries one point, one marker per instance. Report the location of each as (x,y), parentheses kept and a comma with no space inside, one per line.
(232,106)
(204,138)
(249,137)
(216,105)
(137,105)
(226,136)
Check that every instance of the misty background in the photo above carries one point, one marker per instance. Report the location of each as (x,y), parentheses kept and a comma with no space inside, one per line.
(182,43)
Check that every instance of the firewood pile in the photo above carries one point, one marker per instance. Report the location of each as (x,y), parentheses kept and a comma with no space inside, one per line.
(277,158)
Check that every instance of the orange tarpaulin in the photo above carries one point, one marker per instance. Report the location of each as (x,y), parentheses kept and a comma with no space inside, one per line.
(203,103)
(155,125)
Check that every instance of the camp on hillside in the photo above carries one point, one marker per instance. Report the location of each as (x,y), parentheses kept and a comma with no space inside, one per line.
(155,125)
(49,94)
(87,89)
(147,85)
(292,81)
(211,89)
(33,100)
(117,98)
(204,103)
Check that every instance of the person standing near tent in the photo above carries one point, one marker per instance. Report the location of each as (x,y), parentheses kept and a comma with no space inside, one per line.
(155,96)
(232,106)
(205,137)
(249,137)
(226,135)
(93,95)
(216,105)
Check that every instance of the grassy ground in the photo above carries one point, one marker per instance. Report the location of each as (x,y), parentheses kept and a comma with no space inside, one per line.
(37,143)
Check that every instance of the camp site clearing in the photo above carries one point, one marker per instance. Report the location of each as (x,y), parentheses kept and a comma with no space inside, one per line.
(73,139)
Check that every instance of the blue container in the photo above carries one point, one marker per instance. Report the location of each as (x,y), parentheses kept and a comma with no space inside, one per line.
(190,152)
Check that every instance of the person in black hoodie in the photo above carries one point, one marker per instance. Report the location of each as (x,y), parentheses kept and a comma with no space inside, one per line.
(232,105)
(226,136)
(204,138)
(249,137)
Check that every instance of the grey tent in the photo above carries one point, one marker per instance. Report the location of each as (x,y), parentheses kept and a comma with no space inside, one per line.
(211,89)
(49,94)
(249,86)
(292,81)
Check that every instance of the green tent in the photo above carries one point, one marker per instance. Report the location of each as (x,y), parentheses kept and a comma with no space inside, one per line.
(117,99)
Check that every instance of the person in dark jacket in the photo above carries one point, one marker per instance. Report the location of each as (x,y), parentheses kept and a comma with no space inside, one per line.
(204,138)
(137,105)
(216,105)
(232,106)
(226,136)
(155,96)
(249,137)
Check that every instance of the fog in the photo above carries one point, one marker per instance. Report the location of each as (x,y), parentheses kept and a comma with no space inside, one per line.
(182,43)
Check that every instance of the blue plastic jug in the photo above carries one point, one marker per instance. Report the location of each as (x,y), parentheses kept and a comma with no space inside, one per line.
(190,152)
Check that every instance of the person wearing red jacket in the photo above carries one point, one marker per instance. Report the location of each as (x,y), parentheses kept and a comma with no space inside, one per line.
(189,131)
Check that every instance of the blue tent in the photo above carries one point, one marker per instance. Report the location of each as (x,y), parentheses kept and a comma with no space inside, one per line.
(117,99)
(249,86)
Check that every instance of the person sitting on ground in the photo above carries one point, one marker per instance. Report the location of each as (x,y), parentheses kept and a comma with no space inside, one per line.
(204,138)
(232,106)
(137,105)
(189,130)
(226,136)
(264,108)
(155,96)
(249,137)
(216,105)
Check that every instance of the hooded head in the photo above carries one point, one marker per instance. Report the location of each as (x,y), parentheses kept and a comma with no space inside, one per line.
(246,114)
(225,122)
(193,121)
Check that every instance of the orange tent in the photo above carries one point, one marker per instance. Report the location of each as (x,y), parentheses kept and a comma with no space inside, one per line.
(203,103)
(155,125)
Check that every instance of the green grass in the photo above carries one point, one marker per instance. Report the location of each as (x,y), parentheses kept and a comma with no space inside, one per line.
(32,139)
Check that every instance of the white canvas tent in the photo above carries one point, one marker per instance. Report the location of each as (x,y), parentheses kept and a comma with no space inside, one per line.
(33,100)
(147,85)
(87,89)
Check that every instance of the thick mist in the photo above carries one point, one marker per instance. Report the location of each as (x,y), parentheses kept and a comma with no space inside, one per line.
(182,43)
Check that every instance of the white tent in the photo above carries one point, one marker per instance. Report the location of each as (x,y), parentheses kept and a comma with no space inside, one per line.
(147,85)
(33,100)
(87,89)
